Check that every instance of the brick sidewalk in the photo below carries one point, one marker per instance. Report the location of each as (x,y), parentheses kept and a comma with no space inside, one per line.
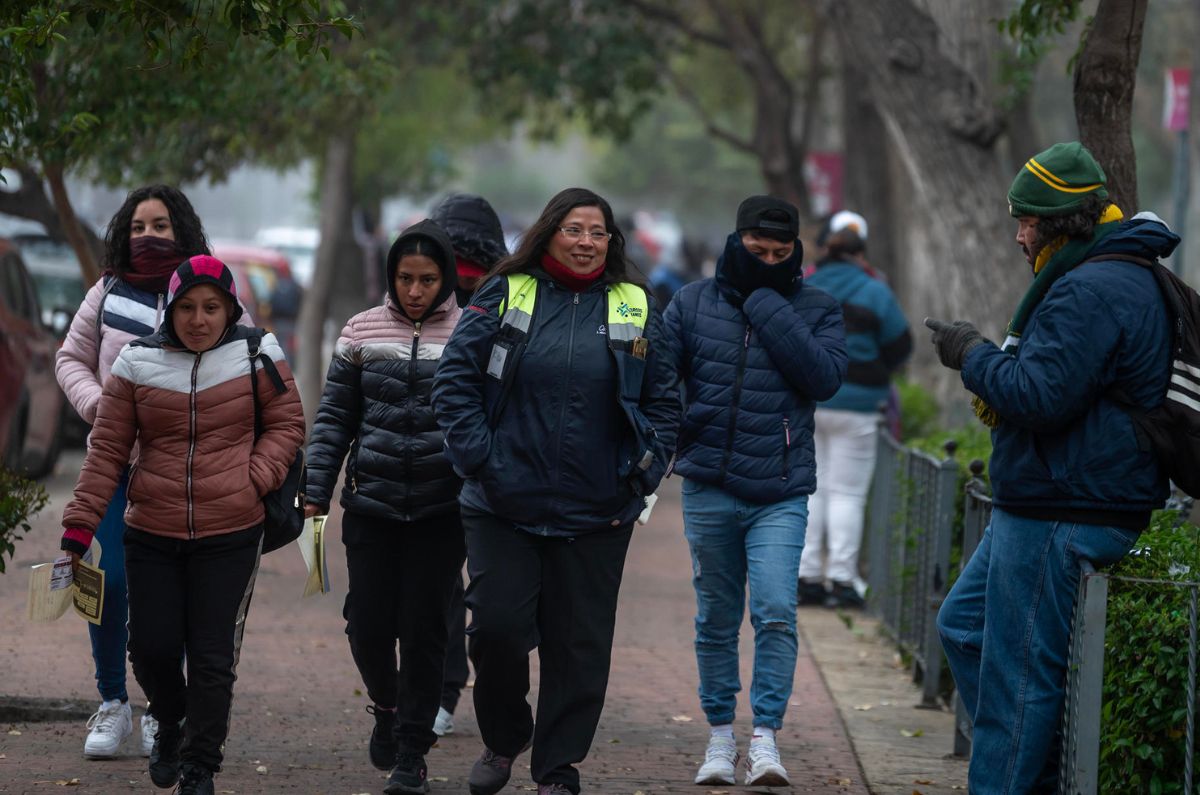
(298,710)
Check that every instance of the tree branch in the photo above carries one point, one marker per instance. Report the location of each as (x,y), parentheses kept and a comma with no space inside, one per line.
(675,20)
(812,81)
(710,124)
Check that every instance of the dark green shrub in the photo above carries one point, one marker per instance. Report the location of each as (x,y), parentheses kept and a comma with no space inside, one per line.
(919,409)
(20,499)
(1144,712)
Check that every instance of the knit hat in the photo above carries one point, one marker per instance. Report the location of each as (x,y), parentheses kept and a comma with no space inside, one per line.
(769,214)
(1056,182)
(201,269)
(474,229)
(846,219)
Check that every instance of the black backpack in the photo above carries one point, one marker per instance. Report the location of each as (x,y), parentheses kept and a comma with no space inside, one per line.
(285,505)
(1172,430)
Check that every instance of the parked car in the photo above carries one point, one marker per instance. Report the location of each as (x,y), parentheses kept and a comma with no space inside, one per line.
(297,243)
(275,295)
(31,403)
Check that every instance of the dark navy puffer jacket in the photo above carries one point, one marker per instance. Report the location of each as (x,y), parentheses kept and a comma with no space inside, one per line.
(557,462)
(752,377)
(1061,443)
(376,407)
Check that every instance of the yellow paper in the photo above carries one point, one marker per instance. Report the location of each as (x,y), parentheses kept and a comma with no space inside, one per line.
(88,592)
(312,549)
(44,604)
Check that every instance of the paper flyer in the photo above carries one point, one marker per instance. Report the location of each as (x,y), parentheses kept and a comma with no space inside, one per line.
(53,588)
(312,549)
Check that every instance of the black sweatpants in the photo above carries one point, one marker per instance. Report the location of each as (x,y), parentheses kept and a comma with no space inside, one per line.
(400,580)
(457,672)
(189,599)
(560,595)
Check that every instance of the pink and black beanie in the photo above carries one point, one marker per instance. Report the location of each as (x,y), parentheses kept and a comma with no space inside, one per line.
(201,269)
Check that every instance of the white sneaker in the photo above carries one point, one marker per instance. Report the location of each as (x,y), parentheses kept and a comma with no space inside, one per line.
(720,762)
(763,768)
(149,729)
(444,723)
(109,727)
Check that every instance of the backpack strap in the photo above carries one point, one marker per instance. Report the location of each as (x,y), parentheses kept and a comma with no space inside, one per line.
(254,348)
(109,283)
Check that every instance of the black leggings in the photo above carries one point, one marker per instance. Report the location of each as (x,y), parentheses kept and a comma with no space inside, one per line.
(190,599)
(401,576)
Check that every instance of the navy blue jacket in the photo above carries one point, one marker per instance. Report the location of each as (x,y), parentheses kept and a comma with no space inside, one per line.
(557,462)
(752,377)
(1061,443)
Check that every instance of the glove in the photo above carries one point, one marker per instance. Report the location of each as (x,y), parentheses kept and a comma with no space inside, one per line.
(954,341)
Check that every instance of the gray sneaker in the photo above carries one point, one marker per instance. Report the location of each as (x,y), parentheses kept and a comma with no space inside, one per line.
(491,772)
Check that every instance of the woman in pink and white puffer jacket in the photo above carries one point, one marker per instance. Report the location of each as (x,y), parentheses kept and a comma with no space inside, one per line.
(151,234)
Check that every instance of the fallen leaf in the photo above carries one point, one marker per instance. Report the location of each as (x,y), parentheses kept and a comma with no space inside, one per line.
(67,782)
(912,733)
(261,769)
(16,733)
(439,778)
(923,781)
(863,707)
(676,718)
(614,741)
(845,782)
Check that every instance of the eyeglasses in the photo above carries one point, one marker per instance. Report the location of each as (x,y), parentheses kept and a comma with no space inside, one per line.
(574,233)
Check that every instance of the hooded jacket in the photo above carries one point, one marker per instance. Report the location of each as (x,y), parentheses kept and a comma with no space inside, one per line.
(376,405)
(1063,446)
(474,230)
(754,365)
(200,472)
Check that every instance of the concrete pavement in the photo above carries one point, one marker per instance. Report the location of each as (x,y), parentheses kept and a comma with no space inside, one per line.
(298,723)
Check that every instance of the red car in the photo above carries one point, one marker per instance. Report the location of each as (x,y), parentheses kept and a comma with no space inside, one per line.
(266,287)
(31,403)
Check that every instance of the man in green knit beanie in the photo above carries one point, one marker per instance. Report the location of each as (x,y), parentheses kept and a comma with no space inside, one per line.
(1069,480)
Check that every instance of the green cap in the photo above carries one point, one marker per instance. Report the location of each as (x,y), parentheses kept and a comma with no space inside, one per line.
(1056,181)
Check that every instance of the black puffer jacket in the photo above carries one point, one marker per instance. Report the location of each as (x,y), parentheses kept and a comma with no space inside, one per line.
(376,406)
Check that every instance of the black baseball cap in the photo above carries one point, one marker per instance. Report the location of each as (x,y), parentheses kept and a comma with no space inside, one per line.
(770,214)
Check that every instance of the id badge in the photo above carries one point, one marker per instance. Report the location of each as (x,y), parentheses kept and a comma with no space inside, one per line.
(496,363)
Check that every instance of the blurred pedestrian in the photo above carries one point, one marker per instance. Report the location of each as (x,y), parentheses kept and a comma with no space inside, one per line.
(756,348)
(1070,480)
(401,525)
(878,342)
(183,396)
(154,230)
(478,241)
(559,410)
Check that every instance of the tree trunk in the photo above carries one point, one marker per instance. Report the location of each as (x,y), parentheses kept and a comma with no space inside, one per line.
(30,202)
(71,227)
(957,248)
(336,204)
(1105,75)
(867,165)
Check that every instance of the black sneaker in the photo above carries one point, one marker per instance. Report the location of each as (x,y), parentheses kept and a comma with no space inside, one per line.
(844,594)
(409,774)
(491,772)
(554,789)
(811,593)
(164,754)
(382,748)
(195,780)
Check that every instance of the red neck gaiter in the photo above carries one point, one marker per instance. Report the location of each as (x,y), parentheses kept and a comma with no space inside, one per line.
(575,282)
(152,260)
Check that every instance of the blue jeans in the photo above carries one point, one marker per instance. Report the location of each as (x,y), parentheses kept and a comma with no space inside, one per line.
(1006,629)
(111,637)
(733,541)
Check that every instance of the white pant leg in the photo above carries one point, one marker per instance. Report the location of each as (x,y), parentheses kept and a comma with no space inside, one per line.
(846,480)
(812,560)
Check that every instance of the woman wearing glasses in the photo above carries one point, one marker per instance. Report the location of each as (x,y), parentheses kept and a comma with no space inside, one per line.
(560,412)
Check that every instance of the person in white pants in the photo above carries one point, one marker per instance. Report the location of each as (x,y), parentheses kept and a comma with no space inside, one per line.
(878,342)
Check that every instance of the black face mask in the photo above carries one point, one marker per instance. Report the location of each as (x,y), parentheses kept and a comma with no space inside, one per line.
(740,273)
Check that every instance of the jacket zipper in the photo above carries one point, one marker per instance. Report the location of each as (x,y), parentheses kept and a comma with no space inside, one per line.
(787,446)
(412,426)
(191,517)
(562,417)
(733,408)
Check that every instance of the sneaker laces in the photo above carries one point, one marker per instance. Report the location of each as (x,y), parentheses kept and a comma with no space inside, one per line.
(722,748)
(763,751)
(105,720)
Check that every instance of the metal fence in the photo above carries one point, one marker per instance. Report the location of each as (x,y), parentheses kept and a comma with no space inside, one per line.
(912,532)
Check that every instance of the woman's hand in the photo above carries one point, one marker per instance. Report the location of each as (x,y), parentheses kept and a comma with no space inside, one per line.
(311,510)
(74,562)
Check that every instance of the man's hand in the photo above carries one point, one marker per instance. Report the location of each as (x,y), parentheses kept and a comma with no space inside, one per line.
(953,340)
